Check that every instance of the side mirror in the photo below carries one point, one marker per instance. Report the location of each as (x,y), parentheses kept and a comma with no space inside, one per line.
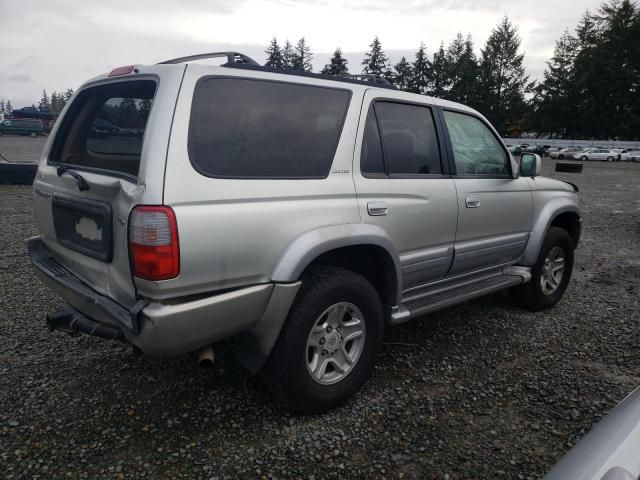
(530,165)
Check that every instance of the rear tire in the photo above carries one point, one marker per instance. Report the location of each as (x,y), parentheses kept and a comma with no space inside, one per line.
(609,159)
(550,275)
(584,158)
(308,371)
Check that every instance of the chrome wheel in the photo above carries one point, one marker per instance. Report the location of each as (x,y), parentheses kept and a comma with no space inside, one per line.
(335,343)
(552,270)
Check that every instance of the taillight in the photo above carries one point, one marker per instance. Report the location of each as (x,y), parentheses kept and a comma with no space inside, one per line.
(153,243)
(122,71)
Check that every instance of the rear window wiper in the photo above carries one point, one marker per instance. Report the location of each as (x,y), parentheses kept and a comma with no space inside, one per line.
(80,181)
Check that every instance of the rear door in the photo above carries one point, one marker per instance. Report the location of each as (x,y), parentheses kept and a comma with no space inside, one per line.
(403,185)
(88,180)
(495,209)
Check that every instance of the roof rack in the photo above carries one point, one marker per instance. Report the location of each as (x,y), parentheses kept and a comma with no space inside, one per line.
(239,60)
(233,58)
(376,80)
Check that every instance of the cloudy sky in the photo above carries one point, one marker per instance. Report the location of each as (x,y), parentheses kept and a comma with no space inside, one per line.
(56,44)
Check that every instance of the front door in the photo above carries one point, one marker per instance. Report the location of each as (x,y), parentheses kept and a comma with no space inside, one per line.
(495,209)
(403,186)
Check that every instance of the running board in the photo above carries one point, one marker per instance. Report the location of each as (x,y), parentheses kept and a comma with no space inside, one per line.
(446,296)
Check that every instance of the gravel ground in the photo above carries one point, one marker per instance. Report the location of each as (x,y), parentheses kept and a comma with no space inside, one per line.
(482,390)
(16,148)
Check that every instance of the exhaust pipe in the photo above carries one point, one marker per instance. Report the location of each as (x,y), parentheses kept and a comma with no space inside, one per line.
(206,357)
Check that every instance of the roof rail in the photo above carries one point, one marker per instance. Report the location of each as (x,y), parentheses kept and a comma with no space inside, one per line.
(232,58)
(377,81)
(369,78)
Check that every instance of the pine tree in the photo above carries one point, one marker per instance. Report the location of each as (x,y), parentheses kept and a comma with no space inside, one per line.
(45,104)
(421,72)
(337,64)
(463,71)
(8,108)
(503,82)
(402,74)
(288,55)
(555,101)
(441,73)
(302,57)
(68,94)
(274,55)
(2,106)
(375,61)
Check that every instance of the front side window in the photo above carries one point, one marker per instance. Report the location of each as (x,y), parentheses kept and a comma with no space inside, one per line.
(476,150)
(262,129)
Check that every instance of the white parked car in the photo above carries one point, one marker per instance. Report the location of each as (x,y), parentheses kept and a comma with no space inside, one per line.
(630,156)
(601,154)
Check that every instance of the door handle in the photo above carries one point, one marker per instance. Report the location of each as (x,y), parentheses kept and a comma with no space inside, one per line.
(472,202)
(377,209)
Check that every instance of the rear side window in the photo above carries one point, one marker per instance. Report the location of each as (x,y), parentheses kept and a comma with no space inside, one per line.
(260,129)
(400,139)
(105,126)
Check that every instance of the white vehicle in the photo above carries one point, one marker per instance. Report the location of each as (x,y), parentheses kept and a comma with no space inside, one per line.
(601,154)
(630,156)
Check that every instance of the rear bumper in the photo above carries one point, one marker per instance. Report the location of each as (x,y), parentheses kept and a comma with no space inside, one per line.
(158,329)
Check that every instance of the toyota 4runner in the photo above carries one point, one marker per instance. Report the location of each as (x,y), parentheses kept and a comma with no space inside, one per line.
(298,213)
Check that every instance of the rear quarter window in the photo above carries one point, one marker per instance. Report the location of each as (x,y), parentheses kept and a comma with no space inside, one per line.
(244,128)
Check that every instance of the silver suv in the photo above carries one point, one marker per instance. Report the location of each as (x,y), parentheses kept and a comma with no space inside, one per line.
(299,213)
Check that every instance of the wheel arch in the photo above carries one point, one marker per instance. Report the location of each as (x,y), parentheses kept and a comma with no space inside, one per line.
(560,212)
(364,248)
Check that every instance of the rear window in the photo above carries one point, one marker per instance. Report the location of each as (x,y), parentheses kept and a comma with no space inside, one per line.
(105,126)
(261,129)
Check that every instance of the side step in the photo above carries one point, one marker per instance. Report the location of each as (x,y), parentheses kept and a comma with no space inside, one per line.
(440,298)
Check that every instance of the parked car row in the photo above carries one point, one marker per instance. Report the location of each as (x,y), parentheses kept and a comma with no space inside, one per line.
(578,153)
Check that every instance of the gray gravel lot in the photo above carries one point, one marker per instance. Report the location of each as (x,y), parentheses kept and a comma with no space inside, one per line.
(16,148)
(482,390)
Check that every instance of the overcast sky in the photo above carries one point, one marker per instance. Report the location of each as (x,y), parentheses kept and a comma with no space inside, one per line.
(60,44)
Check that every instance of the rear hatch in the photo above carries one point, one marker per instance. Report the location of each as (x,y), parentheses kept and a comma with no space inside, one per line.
(105,156)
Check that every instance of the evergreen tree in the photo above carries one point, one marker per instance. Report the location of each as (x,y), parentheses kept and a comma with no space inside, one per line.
(375,61)
(8,108)
(555,101)
(68,94)
(337,65)
(2,106)
(463,71)
(441,73)
(302,57)
(402,74)
(503,82)
(288,55)
(607,69)
(421,72)
(45,104)
(275,57)
(144,108)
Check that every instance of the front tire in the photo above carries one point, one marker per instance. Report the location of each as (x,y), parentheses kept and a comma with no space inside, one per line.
(609,159)
(327,347)
(550,275)
(584,158)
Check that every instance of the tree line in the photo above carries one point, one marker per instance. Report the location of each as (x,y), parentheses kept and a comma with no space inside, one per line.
(590,88)
(53,103)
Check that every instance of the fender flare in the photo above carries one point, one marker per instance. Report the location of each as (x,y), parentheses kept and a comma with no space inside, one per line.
(310,245)
(541,226)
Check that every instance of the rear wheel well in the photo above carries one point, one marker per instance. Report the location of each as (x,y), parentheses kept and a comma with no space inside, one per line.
(371,261)
(569,221)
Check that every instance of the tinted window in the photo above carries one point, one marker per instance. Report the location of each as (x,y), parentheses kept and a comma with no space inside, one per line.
(475,149)
(252,128)
(371,159)
(105,125)
(409,139)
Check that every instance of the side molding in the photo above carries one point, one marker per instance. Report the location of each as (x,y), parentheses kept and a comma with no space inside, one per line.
(308,246)
(550,211)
